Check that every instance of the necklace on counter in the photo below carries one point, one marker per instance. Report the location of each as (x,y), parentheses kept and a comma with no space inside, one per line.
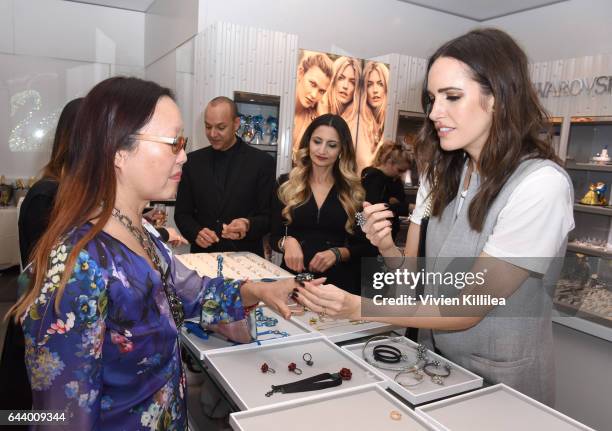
(144,239)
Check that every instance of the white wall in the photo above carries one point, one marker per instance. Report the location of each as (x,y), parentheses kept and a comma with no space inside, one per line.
(77,31)
(369,28)
(52,51)
(170,29)
(363,28)
(175,71)
(575,28)
(169,23)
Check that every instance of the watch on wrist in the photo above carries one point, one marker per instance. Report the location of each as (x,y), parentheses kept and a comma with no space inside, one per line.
(304,276)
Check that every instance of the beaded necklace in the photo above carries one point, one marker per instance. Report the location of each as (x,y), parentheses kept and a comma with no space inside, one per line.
(144,239)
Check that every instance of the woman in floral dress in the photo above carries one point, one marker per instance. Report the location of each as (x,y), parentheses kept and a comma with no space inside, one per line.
(101,338)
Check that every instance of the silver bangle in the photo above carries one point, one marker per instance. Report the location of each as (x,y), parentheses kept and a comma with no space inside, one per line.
(437,377)
(386,267)
(414,374)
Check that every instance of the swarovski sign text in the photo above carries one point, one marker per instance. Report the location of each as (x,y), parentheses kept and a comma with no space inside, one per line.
(591,86)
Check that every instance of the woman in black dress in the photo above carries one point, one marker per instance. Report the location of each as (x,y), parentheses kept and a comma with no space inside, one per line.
(383,180)
(314,207)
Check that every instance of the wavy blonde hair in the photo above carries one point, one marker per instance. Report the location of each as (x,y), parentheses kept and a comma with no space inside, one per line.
(296,191)
(350,110)
(373,119)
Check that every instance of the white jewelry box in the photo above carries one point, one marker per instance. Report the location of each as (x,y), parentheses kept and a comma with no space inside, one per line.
(342,329)
(199,347)
(460,379)
(366,408)
(239,370)
(498,408)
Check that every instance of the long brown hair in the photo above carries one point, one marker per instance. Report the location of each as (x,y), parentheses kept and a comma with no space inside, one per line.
(370,118)
(112,111)
(65,124)
(296,191)
(499,66)
(350,110)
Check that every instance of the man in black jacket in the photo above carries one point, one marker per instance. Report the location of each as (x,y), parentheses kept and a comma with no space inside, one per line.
(224,197)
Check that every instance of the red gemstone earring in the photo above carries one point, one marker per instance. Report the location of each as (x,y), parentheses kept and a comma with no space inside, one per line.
(345,374)
(266,369)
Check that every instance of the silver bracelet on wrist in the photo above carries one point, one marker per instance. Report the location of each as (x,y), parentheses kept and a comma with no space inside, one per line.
(381,259)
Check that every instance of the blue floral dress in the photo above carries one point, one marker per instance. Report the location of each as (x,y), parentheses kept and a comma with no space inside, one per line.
(110,358)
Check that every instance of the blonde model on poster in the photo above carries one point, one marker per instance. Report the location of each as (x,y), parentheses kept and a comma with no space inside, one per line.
(372,112)
(342,97)
(313,78)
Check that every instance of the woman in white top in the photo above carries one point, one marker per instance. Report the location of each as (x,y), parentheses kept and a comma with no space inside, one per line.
(498,195)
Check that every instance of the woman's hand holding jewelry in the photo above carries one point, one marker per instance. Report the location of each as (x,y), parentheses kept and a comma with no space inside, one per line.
(377,226)
(294,257)
(329,299)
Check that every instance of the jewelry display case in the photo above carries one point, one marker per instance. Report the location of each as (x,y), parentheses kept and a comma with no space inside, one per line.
(415,390)
(281,329)
(259,120)
(498,408)
(368,408)
(241,265)
(583,297)
(339,330)
(241,372)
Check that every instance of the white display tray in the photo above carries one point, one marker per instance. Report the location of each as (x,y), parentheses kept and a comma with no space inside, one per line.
(366,408)
(238,370)
(498,408)
(343,329)
(460,380)
(199,347)
(239,265)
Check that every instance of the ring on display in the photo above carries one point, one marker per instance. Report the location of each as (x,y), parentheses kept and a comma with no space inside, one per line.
(294,369)
(395,415)
(307,357)
(399,354)
(266,369)
(437,378)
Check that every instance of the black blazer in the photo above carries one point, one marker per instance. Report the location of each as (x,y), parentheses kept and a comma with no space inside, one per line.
(200,203)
